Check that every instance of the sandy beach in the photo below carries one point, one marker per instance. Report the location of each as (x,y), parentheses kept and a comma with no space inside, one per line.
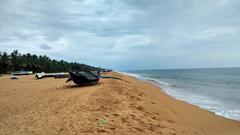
(119,107)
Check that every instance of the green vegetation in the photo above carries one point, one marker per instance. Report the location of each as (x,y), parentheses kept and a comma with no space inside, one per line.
(28,62)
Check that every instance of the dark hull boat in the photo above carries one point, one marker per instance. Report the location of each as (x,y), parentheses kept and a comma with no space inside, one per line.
(83,78)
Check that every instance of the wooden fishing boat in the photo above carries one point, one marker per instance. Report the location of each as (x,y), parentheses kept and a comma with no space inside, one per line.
(84,78)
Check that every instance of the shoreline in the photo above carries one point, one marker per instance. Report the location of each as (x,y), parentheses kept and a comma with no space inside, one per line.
(158,84)
(128,106)
(193,107)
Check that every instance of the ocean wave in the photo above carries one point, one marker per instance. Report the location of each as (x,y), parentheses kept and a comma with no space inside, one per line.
(130,74)
(159,82)
(204,102)
(142,77)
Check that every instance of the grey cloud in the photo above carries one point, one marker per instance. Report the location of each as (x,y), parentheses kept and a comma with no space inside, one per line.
(45,47)
(120,32)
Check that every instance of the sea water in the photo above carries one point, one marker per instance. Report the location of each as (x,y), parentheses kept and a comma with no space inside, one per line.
(215,89)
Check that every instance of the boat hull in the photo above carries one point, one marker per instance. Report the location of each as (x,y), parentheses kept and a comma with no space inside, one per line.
(83,80)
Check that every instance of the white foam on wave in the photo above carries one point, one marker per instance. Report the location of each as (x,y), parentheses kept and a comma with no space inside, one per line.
(204,102)
(157,81)
(220,110)
(130,74)
(142,77)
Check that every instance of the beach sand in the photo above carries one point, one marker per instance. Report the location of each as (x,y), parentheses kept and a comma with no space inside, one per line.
(119,107)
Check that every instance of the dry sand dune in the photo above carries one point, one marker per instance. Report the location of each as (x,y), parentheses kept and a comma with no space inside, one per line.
(119,107)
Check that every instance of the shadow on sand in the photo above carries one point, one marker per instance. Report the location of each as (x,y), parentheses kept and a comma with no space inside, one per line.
(73,86)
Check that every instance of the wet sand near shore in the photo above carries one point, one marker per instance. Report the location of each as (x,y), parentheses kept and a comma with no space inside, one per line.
(120,107)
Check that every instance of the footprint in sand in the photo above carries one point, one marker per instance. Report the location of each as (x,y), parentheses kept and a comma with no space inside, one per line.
(140,108)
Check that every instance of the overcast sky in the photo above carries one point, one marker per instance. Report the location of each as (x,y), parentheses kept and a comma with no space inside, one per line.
(125,34)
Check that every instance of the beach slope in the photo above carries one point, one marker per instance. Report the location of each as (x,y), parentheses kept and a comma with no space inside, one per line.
(120,107)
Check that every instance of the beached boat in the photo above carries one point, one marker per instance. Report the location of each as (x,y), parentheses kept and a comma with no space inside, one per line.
(87,77)
(55,75)
(22,73)
(84,78)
